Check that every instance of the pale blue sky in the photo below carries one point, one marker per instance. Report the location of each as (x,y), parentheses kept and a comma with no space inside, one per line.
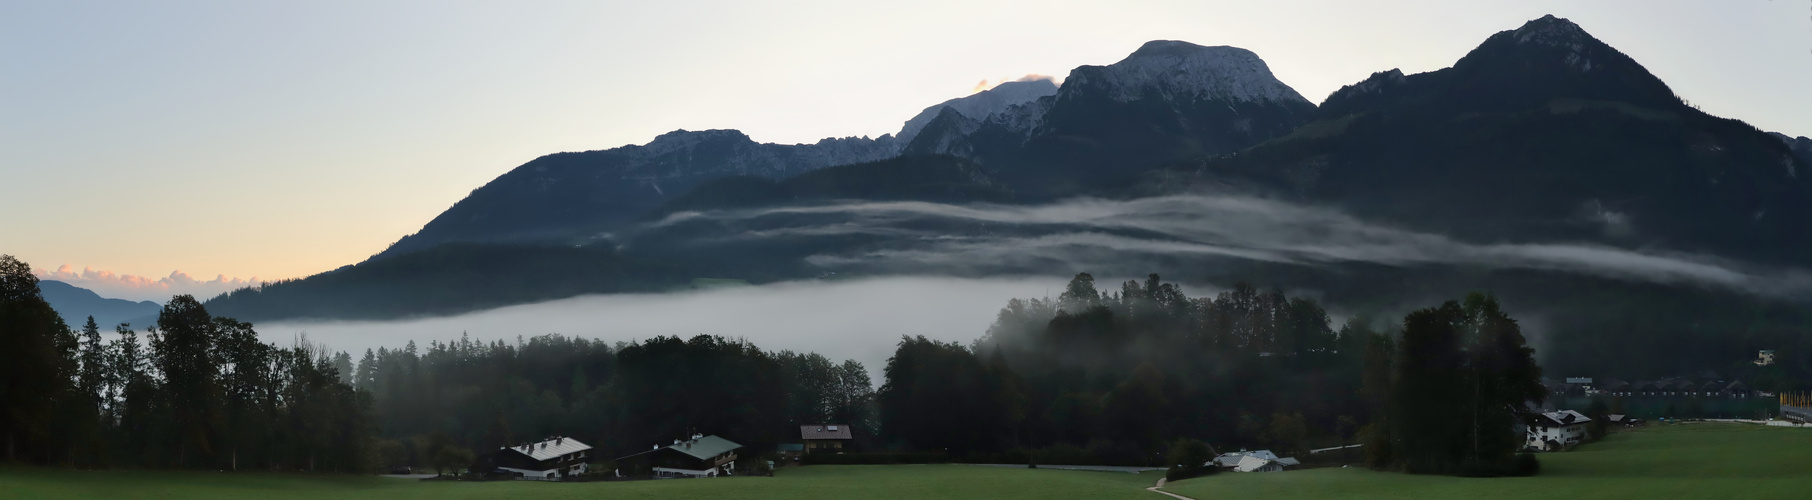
(282,139)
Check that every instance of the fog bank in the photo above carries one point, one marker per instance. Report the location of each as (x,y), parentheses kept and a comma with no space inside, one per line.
(860,319)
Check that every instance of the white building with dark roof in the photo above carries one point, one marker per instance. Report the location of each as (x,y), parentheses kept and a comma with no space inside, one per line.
(1556,430)
(555,458)
(1254,461)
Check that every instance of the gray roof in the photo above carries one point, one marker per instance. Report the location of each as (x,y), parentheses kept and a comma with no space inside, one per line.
(1251,463)
(705,447)
(1565,418)
(829,431)
(551,448)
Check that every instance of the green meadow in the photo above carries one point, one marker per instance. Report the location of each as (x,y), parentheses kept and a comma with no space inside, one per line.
(1668,462)
(823,481)
(1671,462)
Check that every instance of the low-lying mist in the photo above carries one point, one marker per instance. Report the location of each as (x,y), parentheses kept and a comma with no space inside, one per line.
(860,319)
(1104,236)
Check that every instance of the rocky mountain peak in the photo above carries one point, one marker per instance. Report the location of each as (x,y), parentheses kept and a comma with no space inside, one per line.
(982,105)
(1183,70)
(682,139)
(1552,31)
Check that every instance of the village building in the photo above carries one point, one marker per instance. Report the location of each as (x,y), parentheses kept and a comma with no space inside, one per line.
(1615,387)
(1578,386)
(555,458)
(825,438)
(700,456)
(1736,389)
(1555,430)
(1764,357)
(1253,461)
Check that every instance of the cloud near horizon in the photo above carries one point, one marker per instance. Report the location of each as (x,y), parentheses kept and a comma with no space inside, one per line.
(134,287)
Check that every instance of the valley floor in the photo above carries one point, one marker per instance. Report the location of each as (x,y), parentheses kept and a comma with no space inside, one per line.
(796,483)
(1673,462)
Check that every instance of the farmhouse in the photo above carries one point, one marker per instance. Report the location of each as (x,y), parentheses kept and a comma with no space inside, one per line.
(1253,461)
(1254,464)
(829,438)
(700,456)
(554,458)
(1556,430)
(1616,387)
(1736,390)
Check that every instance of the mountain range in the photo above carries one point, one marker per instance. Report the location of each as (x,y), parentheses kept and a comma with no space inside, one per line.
(1544,133)
(76,304)
(1542,136)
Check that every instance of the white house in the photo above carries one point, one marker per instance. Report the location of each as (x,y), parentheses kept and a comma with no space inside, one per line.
(1232,458)
(1254,461)
(554,458)
(1556,430)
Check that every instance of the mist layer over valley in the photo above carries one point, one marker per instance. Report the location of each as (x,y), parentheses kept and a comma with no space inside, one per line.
(859,319)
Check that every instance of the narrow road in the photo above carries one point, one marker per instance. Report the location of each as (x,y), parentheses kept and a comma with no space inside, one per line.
(1156,489)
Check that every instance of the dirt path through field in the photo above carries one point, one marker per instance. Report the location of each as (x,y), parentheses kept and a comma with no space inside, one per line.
(1156,489)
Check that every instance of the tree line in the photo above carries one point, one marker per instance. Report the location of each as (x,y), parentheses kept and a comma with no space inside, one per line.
(1119,377)
(197,392)
(204,392)
(620,398)
(1116,377)
(1126,376)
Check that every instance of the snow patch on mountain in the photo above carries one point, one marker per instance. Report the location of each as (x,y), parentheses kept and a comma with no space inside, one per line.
(1182,70)
(1552,31)
(982,105)
(678,154)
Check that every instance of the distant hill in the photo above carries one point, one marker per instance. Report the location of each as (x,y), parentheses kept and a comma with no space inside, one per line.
(1541,133)
(1801,146)
(940,178)
(76,304)
(1168,101)
(450,279)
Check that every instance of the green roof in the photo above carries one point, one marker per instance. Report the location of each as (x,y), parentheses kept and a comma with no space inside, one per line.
(705,447)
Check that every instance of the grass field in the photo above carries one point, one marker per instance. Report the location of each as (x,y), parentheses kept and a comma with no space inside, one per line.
(801,483)
(1670,462)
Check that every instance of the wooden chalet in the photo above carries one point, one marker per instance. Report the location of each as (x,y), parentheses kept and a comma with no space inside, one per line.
(700,456)
(555,458)
(825,438)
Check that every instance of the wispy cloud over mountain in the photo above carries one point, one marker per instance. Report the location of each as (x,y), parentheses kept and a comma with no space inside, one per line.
(1098,234)
(135,287)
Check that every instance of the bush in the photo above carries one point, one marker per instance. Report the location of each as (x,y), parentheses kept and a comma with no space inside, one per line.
(761,468)
(1188,458)
(1524,465)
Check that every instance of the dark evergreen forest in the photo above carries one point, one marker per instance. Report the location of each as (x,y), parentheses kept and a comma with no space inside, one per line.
(1116,377)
